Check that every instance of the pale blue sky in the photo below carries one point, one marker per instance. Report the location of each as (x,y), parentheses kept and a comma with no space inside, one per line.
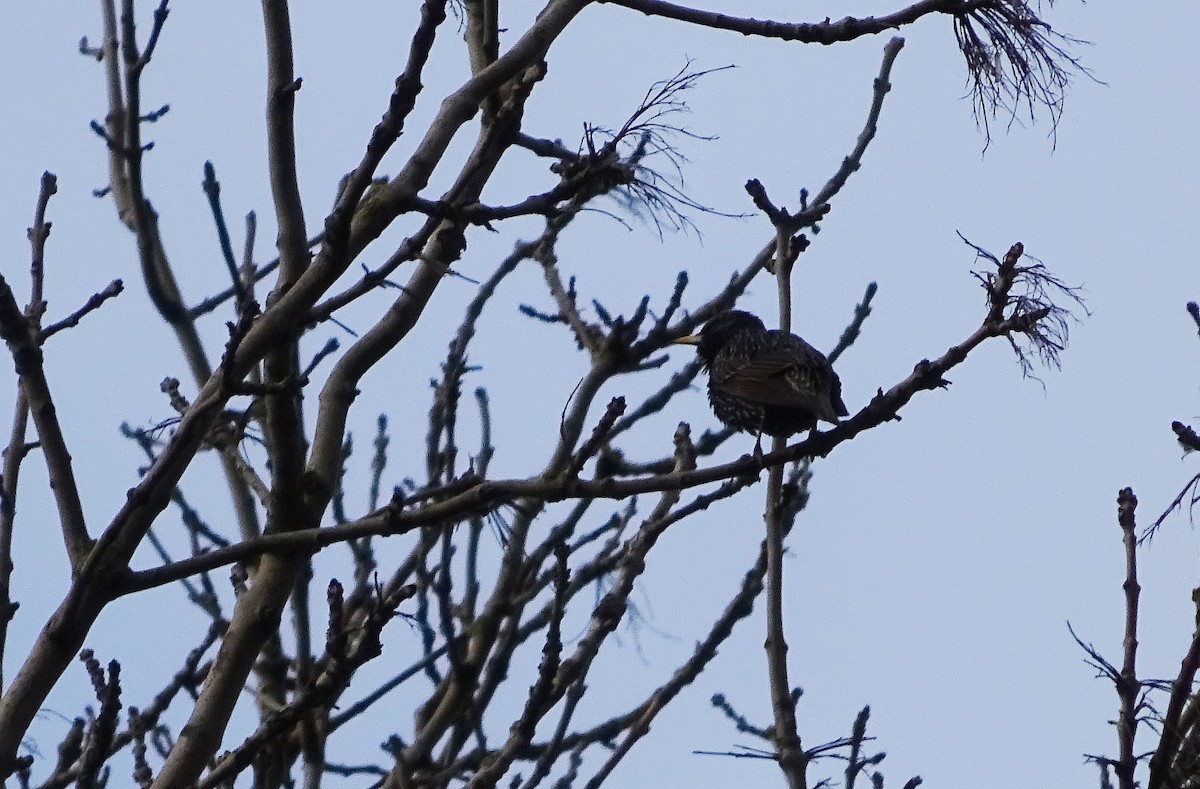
(941,557)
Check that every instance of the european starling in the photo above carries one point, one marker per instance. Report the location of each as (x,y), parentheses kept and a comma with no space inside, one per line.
(765,381)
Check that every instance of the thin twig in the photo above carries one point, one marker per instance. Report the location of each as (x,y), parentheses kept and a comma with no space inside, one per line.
(93,303)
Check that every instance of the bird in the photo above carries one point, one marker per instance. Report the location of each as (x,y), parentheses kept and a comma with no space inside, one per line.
(765,381)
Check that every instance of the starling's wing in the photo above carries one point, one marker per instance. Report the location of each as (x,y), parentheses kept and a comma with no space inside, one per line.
(771,377)
(793,375)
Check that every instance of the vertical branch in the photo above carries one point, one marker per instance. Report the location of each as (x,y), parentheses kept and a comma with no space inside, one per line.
(281,143)
(788,749)
(1128,686)
(115,120)
(212,190)
(784,258)
(13,455)
(255,623)
(37,240)
(483,44)
(17,448)
(283,426)
(1129,689)
(122,132)
(284,422)
(482,34)
(788,246)
(21,333)
(103,728)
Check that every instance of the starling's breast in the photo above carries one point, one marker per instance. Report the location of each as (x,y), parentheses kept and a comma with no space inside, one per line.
(748,416)
(736,412)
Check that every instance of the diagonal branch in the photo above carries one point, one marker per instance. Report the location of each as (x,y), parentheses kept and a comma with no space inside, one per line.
(21,335)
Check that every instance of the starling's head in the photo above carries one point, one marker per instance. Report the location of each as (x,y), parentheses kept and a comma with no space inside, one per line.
(719,330)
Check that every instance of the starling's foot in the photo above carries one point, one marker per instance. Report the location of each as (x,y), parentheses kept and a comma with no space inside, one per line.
(758,453)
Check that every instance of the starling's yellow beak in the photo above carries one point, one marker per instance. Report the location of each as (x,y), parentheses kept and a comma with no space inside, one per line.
(690,339)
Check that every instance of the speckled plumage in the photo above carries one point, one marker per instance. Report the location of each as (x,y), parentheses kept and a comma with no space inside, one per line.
(764,381)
